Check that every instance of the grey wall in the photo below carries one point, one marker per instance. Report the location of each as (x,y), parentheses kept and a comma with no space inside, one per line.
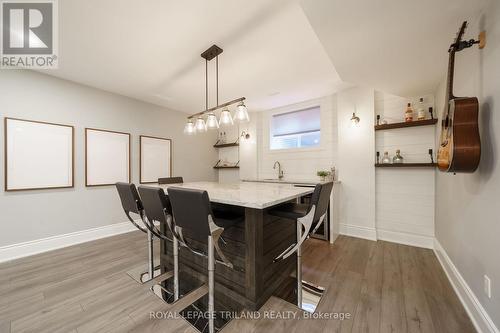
(30,215)
(467,210)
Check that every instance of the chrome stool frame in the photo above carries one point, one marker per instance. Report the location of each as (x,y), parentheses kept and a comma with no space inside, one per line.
(157,208)
(202,223)
(132,203)
(316,211)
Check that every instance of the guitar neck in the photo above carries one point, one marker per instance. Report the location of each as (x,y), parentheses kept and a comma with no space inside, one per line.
(449,80)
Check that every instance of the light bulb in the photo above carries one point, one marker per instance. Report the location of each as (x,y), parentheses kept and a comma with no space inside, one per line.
(225,117)
(200,125)
(212,122)
(241,114)
(189,129)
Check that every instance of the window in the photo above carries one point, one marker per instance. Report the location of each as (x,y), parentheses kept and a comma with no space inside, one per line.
(297,129)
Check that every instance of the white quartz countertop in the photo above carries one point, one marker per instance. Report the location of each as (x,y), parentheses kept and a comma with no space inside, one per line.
(290,181)
(247,194)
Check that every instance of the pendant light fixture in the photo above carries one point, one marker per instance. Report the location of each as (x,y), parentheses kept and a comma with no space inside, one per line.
(241,114)
(225,117)
(189,129)
(200,125)
(196,122)
(212,122)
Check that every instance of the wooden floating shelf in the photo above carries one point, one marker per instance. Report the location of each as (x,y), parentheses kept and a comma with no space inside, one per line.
(415,123)
(224,145)
(226,167)
(406,165)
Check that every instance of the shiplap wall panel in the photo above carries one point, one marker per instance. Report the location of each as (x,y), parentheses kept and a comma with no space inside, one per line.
(405,197)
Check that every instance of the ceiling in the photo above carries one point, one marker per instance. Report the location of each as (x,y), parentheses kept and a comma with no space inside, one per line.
(150,50)
(396,46)
(276,52)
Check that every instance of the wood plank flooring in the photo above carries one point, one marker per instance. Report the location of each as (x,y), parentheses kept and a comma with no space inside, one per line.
(384,287)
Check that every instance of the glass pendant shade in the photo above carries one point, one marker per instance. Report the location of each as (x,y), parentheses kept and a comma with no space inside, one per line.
(200,125)
(212,122)
(189,129)
(225,117)
(241,114)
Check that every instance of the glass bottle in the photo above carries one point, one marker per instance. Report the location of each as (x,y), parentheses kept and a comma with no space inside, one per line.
(421,110)
(409,113)
(398,158)
(386,159)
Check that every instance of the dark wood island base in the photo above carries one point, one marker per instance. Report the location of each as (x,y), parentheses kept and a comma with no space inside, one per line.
(251,246)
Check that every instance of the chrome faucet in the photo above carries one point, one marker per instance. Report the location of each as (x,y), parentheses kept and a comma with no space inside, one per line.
(280,171)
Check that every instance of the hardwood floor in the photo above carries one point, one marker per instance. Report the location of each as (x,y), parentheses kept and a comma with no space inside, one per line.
(384,287)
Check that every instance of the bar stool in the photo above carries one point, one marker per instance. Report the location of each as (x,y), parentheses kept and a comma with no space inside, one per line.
(170,180)
(131,203)
(192,212)
(305,215)
(157,208)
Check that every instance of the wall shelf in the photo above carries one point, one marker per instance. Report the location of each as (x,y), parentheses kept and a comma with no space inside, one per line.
(224,145)
(406,165)
(218,166)
(226,167)
(415,123)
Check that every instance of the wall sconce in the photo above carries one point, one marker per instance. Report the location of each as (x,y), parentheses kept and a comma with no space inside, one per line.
(245,135)
(355,119)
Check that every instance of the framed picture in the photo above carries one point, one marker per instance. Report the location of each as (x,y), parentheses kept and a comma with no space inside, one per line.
(155,156)
(38,155)
(107,157)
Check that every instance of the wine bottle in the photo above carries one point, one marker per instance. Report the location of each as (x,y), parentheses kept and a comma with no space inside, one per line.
(409,113)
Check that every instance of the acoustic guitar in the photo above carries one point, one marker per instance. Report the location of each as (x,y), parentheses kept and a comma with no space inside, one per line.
(460,144)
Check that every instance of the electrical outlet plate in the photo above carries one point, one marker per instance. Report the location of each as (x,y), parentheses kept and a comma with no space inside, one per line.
(487,286)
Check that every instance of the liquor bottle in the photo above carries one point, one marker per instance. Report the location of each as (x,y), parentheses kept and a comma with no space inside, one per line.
(398,158)
(409,113)
(421,110)
(386,159)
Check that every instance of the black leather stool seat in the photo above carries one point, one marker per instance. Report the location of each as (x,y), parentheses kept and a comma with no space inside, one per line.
(290,210)
(226,219)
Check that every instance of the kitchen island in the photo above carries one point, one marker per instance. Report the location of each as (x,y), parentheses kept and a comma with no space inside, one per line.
(251,246)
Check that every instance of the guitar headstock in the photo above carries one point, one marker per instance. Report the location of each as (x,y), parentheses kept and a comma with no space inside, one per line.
(458,39)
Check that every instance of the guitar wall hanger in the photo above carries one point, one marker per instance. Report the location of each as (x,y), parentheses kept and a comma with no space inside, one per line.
(481,40)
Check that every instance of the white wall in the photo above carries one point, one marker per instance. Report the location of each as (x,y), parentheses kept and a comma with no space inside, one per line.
(356,151)
(467,210)
(405,197)
(249,158)
(301,163)
(31,215)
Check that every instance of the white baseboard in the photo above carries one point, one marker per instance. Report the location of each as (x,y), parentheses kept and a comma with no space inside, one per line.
(406,238)
(25,249)
(477,313)
(358,231)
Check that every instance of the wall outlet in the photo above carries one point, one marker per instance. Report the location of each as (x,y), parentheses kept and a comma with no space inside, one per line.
(487,286)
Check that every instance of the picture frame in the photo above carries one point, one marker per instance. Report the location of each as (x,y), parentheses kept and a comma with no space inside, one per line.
(107,157)
(155,158)
(38,155)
